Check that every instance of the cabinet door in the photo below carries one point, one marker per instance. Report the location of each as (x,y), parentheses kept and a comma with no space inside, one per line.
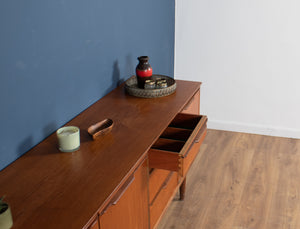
(129,208)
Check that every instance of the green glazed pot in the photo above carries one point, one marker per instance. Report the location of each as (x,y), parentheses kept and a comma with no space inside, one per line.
(6,220)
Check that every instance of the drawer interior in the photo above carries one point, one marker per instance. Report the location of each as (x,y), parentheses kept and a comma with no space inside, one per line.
(179,143)
(185,121)
(177,133)
(168,145)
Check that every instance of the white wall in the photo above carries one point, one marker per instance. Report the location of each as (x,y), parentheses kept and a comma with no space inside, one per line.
(247,54)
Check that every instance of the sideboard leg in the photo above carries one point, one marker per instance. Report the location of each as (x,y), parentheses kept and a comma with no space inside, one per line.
(182,189)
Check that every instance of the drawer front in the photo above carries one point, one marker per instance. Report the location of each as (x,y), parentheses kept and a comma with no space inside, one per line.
(163,198)
(179,144)
(156,180)
(193,106)
(192,153)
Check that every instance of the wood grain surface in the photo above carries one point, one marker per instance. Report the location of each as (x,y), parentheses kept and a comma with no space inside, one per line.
(240,181)
(50,189)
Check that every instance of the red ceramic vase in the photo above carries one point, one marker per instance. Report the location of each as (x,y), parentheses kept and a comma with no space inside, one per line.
(143,71)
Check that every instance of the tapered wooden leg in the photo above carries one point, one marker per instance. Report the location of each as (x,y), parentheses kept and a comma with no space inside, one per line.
(182,189)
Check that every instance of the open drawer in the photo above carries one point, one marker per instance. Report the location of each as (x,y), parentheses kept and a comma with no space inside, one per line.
(179,144)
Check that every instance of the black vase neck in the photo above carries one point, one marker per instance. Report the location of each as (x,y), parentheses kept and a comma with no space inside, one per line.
(143,59)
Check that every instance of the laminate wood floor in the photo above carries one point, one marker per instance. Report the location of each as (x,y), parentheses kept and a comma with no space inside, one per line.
(240,181)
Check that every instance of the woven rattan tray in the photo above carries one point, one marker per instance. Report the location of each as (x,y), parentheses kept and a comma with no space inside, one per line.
(132,88)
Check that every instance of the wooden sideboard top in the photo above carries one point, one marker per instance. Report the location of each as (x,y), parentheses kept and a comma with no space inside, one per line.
(49,189)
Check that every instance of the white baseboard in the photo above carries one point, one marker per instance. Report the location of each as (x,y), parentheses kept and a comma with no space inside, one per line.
(254,129)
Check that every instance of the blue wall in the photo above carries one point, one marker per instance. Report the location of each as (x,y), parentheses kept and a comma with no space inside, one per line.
(58,57)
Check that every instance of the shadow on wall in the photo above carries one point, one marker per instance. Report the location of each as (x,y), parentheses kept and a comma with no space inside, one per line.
(25,145)
(28,142)
(49,129)
(129,67)
(116,79)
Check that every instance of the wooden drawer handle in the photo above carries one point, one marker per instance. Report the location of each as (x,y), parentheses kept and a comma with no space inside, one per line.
(123,189)
(166,182)
(196,140)
(163,186)
(119,194)
(198,136)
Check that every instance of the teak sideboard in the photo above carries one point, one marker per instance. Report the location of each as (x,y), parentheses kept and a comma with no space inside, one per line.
(125,179)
